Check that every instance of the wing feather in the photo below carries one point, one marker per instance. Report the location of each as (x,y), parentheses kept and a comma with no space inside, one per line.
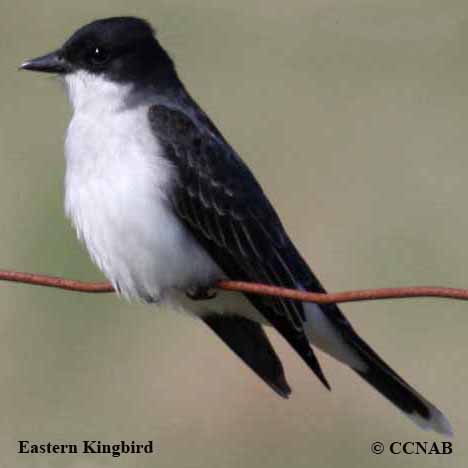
(224,207)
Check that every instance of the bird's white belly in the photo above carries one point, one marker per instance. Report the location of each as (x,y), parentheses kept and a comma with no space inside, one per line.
(116,196)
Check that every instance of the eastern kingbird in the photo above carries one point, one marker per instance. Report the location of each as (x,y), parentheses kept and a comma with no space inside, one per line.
(166,207)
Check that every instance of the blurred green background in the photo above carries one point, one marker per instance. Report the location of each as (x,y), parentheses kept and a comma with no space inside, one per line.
(353,114)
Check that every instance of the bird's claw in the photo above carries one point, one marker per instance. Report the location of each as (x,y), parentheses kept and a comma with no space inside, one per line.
(200,293)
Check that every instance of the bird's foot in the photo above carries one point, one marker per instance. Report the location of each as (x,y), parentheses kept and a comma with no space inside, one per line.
(200,293)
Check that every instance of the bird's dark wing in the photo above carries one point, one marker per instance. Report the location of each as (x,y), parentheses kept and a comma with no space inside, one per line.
(224,207)
(248,340)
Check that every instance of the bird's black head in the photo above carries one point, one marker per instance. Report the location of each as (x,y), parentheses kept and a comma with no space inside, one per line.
(122,49)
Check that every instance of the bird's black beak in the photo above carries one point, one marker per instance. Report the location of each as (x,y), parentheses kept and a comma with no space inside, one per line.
(50,63)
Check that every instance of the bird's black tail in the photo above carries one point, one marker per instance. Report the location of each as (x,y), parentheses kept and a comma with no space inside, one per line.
(387,382)
(328,328)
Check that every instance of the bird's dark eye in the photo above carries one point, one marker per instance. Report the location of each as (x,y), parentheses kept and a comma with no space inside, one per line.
(98,56)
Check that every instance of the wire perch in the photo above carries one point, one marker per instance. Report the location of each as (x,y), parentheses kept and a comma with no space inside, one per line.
(253,288)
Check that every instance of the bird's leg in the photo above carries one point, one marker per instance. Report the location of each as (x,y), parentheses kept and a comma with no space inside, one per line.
(200,293)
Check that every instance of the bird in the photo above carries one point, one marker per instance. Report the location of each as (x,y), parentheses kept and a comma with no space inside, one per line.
(167,208)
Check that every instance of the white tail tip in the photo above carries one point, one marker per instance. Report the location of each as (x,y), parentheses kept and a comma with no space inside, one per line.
(437,422)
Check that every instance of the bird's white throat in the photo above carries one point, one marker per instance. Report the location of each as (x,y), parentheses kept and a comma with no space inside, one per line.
(85,89)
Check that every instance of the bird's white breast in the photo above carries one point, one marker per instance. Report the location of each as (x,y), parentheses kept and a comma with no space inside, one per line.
(116,190)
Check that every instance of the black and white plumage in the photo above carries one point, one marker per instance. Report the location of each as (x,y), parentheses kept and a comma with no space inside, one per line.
(166,207)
